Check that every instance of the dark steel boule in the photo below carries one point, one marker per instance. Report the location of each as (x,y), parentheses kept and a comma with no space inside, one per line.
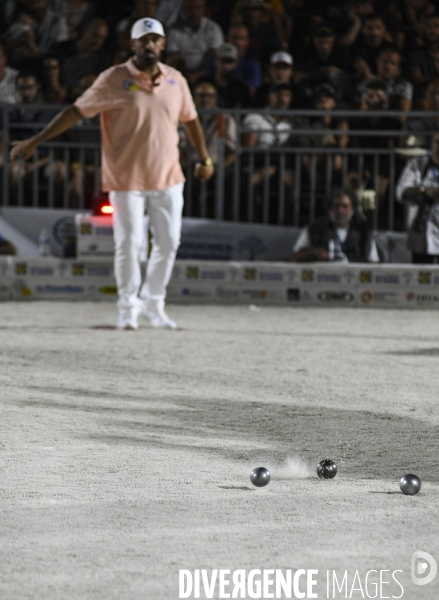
(326,469)
(410,484)
(260,477)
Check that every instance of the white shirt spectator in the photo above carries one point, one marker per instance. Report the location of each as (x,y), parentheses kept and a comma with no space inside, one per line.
(8,86)
(270,132)
(193,45)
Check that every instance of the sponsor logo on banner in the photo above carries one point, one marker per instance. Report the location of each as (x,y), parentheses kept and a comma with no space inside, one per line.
(379,297)
(293,294)
(436,280)
(427,299)
(424,277)
(387,278)
(255,294)
(306,296)
(307,275)
(64,231)
(192,272)
(336,296)
(198,293)
(86,229)
(21,268)
(250,274)
(218,274)
(329,278)
(20,287)
(99,271)
(227,293)
(59,289)
(108,290)
(78,270)
(271,276)
(41,271)
(100,230)
(366,277)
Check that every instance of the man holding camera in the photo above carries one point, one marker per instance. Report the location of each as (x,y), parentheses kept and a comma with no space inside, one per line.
(418,185)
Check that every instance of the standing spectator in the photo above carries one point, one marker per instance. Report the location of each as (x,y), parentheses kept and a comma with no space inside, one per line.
(192,40)
(8,78)
(418,186)
(421,129)
(85,55)
(263,36)
(50,27)
(399,91)
(281,71)
(324,61)
(75,13)
(340,236)
(54,92)
(265,131)
(232,93)
(374,39)
(247,69)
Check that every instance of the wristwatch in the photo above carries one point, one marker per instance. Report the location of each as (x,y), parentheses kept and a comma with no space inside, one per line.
(207,162)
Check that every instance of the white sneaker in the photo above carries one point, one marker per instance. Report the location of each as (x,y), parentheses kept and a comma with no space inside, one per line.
(154,311)
(127,319)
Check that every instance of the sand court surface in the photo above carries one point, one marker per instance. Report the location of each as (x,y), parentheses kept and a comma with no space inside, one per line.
(125,456)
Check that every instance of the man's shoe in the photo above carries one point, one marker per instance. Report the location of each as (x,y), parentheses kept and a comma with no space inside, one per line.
(154,311)
(128,319)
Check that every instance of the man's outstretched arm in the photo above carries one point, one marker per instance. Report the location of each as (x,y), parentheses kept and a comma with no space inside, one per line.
(60,123)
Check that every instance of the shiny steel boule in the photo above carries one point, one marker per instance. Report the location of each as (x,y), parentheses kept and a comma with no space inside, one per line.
(260,477)
(410,484)
(326,469)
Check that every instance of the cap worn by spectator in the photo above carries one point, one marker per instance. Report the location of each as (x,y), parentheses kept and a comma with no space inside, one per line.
(281,57)
(325,90)
(227,52)
(323,30)
(144,26)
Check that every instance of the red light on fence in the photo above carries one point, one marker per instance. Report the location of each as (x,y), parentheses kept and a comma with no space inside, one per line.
(107,209)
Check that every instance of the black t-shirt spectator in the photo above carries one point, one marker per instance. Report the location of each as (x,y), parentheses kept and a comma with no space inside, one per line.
(310,61)
(235,95)
(369,53)
(74,67)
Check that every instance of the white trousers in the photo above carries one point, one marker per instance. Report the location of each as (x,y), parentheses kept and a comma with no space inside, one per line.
(164,209)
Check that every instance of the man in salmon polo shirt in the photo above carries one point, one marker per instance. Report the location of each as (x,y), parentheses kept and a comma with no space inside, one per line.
(141,103)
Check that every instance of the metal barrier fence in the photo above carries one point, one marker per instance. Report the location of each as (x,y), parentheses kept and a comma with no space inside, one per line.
(281,184)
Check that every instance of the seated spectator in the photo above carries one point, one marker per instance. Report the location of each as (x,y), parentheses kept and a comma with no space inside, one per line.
(324,99)
(323,61)
(263,36)
(247,69)
(29,93)
(399,91)
(423,66)
(192,40)
(75,13)
(53,90)
(50,27)
(84,55)
(20,36)
(143,9)
(421,129)
(273,14)
(232,93)
(265,131)
(375,99)
(8,78)
(281,71)
(340,236)
(374,39)
(415,13)
(418,186)
(216,126)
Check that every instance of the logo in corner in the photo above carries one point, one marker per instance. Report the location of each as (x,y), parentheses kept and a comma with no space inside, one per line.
(424,568)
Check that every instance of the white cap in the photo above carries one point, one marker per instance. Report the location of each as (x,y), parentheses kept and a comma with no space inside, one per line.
(145,26)
(281,57)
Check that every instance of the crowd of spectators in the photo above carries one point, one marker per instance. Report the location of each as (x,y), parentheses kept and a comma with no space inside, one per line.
(330,55)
